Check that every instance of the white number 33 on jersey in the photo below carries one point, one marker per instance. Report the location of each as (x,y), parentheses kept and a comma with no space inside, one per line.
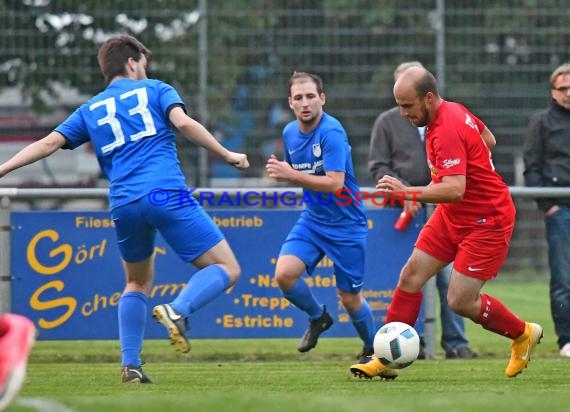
(140,109)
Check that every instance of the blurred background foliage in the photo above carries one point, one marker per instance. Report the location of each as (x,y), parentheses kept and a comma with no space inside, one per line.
(230,60)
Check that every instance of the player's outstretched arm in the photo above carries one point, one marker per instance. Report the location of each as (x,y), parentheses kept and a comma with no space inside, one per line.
(449,190)
(282,171)
(33,152)
(489,138)
(196,133)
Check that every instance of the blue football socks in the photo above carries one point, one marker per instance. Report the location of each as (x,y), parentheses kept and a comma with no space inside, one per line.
(203,287)
(132,321)
(363,321)
(302,297)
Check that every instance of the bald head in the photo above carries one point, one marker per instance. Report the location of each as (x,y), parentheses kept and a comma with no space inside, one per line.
(416,94)
(418,80)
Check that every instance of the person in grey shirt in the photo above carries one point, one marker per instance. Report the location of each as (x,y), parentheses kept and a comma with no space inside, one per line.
(397,148)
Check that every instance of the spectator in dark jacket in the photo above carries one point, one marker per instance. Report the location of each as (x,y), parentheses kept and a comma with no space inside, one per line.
(547,164)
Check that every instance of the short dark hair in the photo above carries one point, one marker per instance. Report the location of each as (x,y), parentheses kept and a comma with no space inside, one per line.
(309,76)
(427,83)
(116,51)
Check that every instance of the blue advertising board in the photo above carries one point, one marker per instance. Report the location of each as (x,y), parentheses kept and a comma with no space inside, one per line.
(69,276)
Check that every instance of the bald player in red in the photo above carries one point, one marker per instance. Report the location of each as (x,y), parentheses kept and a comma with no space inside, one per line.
(471,226)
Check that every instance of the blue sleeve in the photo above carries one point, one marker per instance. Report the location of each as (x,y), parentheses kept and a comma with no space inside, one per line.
(335,150)
(286,156)
(168,97)
(74,129)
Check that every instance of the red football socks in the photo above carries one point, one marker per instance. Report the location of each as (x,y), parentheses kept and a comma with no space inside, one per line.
(405,307)
(496,317)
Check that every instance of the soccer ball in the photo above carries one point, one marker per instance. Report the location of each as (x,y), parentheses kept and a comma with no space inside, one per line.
(396,345)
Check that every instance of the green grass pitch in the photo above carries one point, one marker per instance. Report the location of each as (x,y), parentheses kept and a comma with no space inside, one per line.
(269,375)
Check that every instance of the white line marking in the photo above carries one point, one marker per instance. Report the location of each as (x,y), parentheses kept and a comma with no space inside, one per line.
(43,405)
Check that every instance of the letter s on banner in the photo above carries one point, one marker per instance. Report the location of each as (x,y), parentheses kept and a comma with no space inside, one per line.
(37,304)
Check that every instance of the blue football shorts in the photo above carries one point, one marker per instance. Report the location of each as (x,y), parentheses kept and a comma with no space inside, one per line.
(183,224)
(346,250)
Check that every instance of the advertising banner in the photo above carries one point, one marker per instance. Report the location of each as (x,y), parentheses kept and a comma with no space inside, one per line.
(69,277)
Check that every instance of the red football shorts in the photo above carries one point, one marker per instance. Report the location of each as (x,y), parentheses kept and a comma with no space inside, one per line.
(478,249)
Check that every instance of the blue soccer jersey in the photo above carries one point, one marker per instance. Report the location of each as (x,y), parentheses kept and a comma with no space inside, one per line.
(128,126)
(326,148)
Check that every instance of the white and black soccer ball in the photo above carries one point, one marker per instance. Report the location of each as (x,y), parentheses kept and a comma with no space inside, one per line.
(397,345)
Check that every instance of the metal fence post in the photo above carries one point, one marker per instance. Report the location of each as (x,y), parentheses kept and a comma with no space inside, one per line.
(440,45)
(5,272)
(430,289)
(430,319)
(203,88)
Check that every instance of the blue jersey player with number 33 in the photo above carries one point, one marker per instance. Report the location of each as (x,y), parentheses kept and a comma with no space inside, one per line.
(128,124)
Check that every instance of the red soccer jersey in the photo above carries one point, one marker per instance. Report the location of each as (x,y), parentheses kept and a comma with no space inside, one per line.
(455,147)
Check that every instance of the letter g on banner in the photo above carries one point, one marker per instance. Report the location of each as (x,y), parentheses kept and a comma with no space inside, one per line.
(65,250)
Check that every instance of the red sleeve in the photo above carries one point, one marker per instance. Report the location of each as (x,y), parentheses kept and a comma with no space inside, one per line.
(450,146)
(479,123)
